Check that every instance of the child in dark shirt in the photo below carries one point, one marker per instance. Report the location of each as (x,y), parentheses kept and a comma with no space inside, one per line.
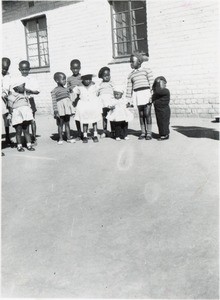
(161,100)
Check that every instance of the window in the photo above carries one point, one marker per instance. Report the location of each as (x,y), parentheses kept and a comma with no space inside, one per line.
(129,27)
(37,42)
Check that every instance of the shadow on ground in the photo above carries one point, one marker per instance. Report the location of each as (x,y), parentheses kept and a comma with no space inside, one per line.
(197,132)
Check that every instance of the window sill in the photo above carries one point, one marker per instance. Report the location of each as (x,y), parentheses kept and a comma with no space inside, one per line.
(39,70)
(120,60)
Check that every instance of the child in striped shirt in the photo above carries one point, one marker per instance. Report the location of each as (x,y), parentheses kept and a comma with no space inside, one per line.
(139,84)
(62,107)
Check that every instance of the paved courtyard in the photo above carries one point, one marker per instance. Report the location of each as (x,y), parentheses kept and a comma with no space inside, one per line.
(128,219)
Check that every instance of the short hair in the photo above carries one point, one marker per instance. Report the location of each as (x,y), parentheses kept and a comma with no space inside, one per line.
(75,61)
(6,61)
(139,56)
(57,75)
(102,70)
(24,62)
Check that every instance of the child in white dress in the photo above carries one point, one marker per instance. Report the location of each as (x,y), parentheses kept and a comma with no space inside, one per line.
(120,115)
(89,108)
(62,106)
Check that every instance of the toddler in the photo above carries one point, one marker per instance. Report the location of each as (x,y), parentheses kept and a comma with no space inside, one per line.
(105,92)
(62,107)
(89,109)
(119,115)
(21,113)
(161,100)
(72,81)
(139,83)
(31,88)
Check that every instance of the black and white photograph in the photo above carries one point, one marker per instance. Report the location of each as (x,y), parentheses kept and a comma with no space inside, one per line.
(110,149)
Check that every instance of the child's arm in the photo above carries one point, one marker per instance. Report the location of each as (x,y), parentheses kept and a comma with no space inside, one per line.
(54,104)
(129,90)
(150,77)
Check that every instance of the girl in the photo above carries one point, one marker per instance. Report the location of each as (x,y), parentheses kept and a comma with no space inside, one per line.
(119,115)
(62,107)
(88,109)
(161,100)
(21,114)
(140,81)
(105,92)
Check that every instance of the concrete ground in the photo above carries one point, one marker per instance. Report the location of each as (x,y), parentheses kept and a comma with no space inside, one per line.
(128,219)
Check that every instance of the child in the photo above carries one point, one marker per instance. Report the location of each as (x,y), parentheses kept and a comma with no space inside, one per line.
(140,81)
(72,81)
(161,99)
(21,113)
(105,92)
(119,115)
(31,87)
(5,84)
(89,109)
(62,107)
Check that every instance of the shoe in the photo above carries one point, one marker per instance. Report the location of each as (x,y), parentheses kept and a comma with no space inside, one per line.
(126,138)
(95,139)
(30,148)
(85,139)
(20,149)
(71,141)
(142,136)
(163,138)
(60,143)
(118,139)
(34,142)
(9,142)
(78,138)
(148,137)
(3,154)
(103,135)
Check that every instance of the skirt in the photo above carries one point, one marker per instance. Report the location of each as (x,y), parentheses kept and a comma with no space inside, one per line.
(141,97)
(65,107)
(120,114)
(21,114)
(88,112)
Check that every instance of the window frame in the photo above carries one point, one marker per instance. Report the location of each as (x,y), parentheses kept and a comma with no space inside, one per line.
(130,26)
(39,68)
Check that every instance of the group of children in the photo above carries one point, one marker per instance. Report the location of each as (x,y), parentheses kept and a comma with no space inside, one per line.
(80,97)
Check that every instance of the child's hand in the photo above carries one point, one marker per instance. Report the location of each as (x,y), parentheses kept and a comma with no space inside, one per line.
(112,107)
(70,90)
(150,100)
(56,115)
(9,117)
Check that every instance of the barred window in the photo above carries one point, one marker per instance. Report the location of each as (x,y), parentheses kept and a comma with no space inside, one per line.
(129,27)
(37,42)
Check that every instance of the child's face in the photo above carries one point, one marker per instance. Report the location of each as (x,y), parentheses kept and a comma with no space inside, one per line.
(5,68)
(24,69)
(75,68)
(117,95)
(61,80)
(162,84)
(106,76)
(135,63)
(86,80)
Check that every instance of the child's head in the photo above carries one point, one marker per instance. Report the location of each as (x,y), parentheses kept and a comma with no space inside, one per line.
(24,67)
(60,78)
(5,65)
(104,73)
(75,66)
(86,79)
(118,92)
(161,80)
(136,60)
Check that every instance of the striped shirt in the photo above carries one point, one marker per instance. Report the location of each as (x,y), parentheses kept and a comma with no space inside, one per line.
(139,78)
(57,94)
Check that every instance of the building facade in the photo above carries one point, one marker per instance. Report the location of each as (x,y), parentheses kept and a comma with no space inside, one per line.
(180,36)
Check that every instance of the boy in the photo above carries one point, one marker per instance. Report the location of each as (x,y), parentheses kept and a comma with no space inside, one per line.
(140,81)
(5,83)
(31,87)
(72,81)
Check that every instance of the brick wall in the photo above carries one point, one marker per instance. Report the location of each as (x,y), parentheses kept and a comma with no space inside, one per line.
(182,45)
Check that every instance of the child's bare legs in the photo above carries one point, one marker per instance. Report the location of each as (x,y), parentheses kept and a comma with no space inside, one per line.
(95,130)
(105,111)
(60,129)
(147,115)
(85,131)
(33,130)
(66,120)
(18,129)
(78,127)
(142,120)
(25,128)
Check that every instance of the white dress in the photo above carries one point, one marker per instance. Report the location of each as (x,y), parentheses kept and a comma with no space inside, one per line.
(89,107)
(120,112)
